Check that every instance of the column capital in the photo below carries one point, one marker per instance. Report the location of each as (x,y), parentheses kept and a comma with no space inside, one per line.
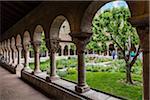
(37,45)
(81,39)
(26,47)
(19,47)
(54,45)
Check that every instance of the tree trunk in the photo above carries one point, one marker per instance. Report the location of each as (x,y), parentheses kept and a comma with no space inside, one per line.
(128,74)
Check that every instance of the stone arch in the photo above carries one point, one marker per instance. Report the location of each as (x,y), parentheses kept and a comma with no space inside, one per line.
(38,33)
(13,43)
(55,26)
(18,40)
(64,31)
(86,22)
(26,38)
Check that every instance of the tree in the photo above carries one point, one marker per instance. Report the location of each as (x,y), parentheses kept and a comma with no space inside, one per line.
(112,24)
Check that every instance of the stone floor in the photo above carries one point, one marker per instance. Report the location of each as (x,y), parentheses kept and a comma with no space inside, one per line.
(13,88)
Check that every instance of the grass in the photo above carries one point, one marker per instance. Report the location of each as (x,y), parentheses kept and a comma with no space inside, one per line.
(113,83)
(109,82)
(43,65)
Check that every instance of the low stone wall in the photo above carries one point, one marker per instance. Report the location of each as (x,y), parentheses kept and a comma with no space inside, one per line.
(50,89)
(10,68)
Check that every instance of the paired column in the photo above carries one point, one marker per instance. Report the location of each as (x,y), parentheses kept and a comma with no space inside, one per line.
(81,40)
(54,44)
(37,45)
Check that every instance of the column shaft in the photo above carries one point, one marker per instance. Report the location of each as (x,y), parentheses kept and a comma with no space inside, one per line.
(53,64)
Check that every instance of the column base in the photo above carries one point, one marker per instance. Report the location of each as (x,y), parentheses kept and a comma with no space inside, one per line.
(82,89)
(26,68)
(52,78)
(36,72)
(19,67)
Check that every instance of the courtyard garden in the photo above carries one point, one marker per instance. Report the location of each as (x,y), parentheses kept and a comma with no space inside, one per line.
(113,36)
(107,76)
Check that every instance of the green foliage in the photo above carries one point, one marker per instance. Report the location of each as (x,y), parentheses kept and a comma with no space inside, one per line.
(62,73)
(43,65)
(114,23)
(71,71)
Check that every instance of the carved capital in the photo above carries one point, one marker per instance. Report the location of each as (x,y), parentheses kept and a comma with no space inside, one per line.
(26,47)
(81,39)
(37,45)
(54,45)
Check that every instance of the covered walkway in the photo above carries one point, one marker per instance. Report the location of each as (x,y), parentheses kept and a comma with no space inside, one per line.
(13,88)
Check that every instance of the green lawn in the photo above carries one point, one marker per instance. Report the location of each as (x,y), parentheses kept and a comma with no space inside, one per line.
(109,81)
(113,83)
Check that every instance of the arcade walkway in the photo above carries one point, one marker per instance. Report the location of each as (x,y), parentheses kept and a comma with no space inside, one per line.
(13,88)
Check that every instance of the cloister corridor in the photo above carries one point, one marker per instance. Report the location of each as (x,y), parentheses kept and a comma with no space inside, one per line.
(13,88)
(77,64)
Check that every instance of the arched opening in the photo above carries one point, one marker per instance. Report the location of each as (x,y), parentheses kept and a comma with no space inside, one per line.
(59,31)
(27,48)
(40,50)
(111,21)
(14,49)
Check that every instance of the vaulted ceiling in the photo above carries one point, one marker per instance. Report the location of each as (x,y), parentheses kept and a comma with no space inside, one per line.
(12,11)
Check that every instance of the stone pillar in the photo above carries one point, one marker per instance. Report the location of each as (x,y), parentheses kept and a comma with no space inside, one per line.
(68,50)
(75,52)
(142,26)
(6,54)
(14,57)
(54,44)
(81,40)
(37,45)
(144,37)
(62,50)
(10,56)
(26,57)
(19,47)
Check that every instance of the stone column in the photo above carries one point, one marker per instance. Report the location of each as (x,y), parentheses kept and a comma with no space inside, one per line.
(62,50)
(37,45)
(68,50)
(10,56)
(26,57)
(19,47)
(14,57)
(75,52)
(81,40)
(144,37)
(6,54)
(54,44)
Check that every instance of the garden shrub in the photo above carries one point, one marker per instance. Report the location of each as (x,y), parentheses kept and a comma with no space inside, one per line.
(71,71)
(95,69)
(61,73)
(89,68)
